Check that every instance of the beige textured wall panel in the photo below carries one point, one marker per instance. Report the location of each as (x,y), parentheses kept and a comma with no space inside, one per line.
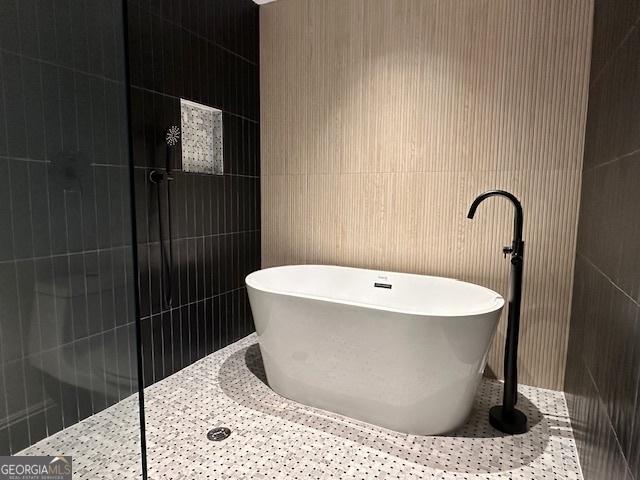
(383,119)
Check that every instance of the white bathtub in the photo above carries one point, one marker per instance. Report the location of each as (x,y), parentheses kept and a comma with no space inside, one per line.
(408,358)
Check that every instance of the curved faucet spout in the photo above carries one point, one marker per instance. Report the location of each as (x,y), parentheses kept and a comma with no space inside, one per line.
(518,219)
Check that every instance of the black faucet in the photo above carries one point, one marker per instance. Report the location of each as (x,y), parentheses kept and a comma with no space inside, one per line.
(506,417)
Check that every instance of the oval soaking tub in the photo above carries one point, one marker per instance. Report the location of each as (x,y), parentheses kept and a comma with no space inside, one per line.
(401,351)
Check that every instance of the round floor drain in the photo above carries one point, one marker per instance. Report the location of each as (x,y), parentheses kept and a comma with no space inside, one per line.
(218,433)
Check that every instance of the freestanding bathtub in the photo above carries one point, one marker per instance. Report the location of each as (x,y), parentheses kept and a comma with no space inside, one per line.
(401,351)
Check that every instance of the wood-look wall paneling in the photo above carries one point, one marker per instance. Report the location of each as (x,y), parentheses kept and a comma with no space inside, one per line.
(381,120)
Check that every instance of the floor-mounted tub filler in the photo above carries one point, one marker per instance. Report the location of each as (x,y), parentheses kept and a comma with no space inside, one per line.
(401,351)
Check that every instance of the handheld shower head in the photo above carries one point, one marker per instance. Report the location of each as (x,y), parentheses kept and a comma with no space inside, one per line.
(173,135)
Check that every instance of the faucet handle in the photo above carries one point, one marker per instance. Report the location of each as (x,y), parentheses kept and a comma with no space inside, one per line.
(506,250)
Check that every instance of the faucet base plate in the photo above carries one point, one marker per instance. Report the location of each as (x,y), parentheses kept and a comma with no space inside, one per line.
(512,423)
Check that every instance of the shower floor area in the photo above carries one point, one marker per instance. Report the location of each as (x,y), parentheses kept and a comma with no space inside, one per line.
(276,438)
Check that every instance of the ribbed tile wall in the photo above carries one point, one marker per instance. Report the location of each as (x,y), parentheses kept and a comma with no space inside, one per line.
(383,119)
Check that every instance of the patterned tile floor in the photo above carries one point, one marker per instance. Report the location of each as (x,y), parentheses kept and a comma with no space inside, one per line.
(275,438)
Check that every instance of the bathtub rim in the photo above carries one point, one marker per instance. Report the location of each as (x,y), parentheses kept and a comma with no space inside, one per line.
(498,304)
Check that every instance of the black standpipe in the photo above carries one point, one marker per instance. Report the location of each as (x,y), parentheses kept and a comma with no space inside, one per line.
(506,417)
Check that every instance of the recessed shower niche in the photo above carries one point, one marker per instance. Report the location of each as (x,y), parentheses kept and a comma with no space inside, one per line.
(201,138)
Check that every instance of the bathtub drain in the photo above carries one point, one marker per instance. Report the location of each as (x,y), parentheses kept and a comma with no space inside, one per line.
(218,433)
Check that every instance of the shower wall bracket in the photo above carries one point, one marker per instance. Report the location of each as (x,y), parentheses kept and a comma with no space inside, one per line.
(158,177)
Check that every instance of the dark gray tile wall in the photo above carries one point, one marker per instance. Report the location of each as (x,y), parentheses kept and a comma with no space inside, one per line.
(603,361)
(67,341)
(205,51)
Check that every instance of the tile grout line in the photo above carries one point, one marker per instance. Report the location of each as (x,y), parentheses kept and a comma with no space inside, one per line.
(61,66)
(613,54)
(622,157)
(197,35)
(22,314)
(603,408)
(228,112)
(629,297)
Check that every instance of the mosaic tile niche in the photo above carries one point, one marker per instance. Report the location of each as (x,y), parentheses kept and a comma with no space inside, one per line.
(201,138)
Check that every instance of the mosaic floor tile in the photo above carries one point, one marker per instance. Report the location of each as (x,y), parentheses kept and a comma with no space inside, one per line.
(276,438)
